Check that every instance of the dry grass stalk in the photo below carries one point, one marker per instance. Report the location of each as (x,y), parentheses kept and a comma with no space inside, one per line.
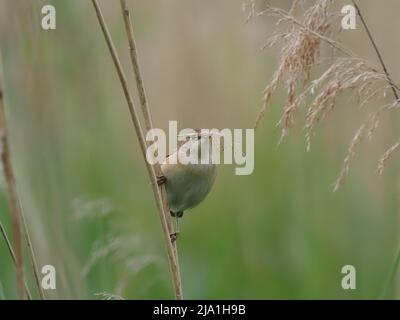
(161,192)
(12,188)
(143,98)
(135,64)
(10,249)
(12,195)
(301,45)
(161,205)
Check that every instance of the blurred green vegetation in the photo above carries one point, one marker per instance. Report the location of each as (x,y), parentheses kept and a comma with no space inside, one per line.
(278,233)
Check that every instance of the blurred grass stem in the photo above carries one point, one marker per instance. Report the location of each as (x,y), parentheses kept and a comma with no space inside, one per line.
(10,249)
(32,254)
(11,193)
(17,206)
(392,275)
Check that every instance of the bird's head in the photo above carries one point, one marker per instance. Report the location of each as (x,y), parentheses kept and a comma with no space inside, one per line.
(199,144)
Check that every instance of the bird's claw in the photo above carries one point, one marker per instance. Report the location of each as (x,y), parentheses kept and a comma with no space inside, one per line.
(161,180)
(174,236)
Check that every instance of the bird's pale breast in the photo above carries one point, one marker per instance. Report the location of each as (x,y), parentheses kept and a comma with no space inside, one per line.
(187,185)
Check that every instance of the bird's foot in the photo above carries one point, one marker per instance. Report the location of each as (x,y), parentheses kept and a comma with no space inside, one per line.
(174,236)
(178,214)
(161,180)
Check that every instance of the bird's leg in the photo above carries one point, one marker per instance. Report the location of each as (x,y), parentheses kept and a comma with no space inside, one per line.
(161,180)
(177,220)
(177,216)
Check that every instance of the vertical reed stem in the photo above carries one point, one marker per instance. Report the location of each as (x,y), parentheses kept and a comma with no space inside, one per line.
(12,254)
(12,194)
(161,205)
(145,108)
(142,95)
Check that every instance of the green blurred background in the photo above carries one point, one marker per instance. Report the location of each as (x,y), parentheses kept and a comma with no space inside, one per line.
(278,233)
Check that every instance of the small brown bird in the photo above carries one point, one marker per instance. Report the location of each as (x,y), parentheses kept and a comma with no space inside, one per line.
(188,184)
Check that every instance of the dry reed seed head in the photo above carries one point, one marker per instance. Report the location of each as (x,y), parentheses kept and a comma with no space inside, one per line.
(367,129)
(299,53)
(386,156)
(249,9)
(350,154)
(345,74)
(301,44)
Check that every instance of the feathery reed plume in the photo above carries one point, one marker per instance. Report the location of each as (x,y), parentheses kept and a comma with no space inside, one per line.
(350,154)
(161,205)
(386,156)
(12,193)
(346,74)
(366,130)
(302,42)
(10,249)
(249,9)
(388,153)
